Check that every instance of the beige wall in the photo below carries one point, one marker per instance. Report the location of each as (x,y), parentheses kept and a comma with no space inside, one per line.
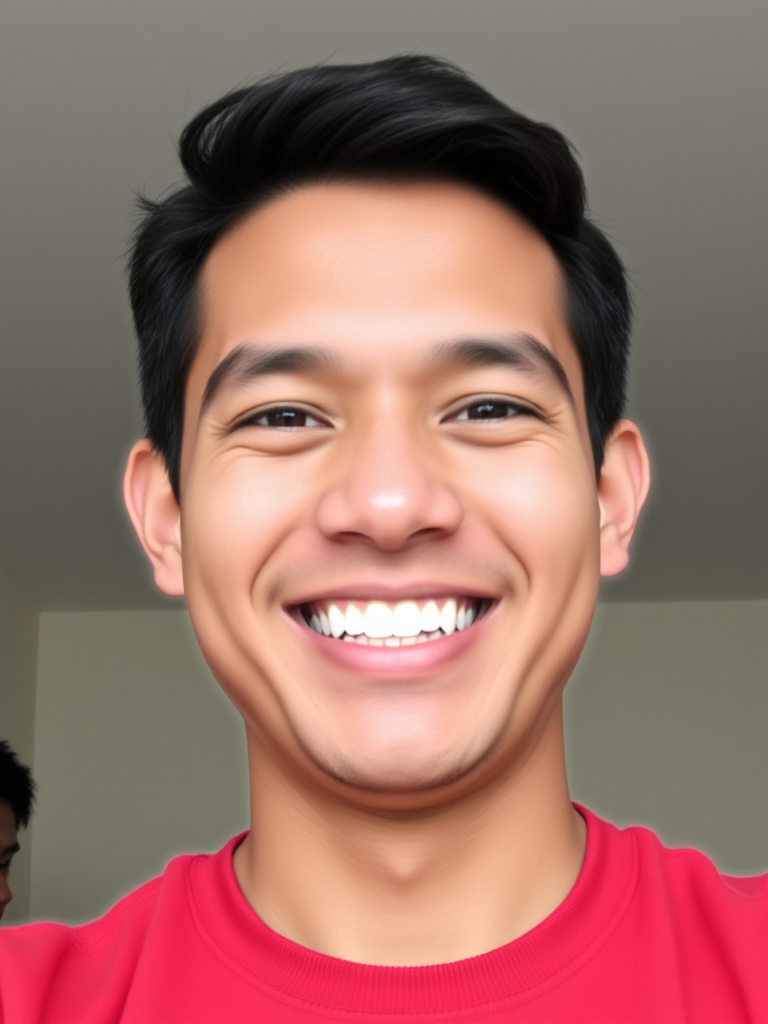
(667,716)
(139,756)
(18,658)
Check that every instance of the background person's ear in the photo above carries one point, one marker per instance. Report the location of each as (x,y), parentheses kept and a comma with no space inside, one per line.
(155,515)
(622,488)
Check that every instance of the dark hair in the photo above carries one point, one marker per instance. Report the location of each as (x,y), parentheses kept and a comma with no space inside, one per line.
(16,785)
(402,119)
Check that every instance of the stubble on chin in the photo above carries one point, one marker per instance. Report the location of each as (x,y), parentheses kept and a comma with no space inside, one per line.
(399,768)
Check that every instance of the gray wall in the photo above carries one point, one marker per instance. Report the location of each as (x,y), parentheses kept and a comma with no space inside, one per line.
(666,724)
(18,659)
(139,756)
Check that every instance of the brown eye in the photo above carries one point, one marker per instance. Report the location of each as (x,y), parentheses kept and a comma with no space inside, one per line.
(284,417)
(490,410)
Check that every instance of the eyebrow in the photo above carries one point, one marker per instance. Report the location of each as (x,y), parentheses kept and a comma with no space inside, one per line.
(246,363)
(521,351)
(14,848)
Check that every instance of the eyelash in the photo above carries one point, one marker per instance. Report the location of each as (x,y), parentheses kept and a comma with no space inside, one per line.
(517,409)
(297,411)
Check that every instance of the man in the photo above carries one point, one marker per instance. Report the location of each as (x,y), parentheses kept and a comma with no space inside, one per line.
(17,792)
(383,358)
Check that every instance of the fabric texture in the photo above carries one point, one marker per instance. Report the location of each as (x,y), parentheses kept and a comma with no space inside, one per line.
(646,935)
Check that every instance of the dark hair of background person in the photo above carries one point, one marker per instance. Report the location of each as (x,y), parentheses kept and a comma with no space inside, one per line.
(16,785)
(403,119)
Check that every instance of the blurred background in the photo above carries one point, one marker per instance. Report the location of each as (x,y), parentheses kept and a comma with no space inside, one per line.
(102,690)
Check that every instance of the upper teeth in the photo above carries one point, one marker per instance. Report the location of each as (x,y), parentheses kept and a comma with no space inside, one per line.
(378,620)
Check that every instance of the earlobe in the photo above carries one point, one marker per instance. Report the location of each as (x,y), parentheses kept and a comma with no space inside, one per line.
(155,514)
(621,490)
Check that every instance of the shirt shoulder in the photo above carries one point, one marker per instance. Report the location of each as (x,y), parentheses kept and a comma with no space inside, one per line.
(48,970)
(712,927)
(689,881)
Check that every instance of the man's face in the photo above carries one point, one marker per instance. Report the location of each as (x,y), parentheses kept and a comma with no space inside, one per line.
(385,438)
(8,847)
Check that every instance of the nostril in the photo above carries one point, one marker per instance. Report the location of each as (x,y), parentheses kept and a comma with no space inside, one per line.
(431,531)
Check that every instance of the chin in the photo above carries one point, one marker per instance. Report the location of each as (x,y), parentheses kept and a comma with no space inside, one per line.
(400,768)
(395,778)
(391,745)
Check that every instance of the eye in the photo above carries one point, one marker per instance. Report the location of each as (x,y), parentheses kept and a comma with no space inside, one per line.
(491,409)
(283,417)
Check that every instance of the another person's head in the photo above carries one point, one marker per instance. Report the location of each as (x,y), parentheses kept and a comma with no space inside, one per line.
(17,791)
(383,360)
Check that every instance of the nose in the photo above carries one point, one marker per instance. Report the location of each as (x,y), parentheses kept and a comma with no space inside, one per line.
(388,494)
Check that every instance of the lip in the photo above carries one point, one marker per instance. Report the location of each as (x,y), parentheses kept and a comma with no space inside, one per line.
(421,591)
(394,662)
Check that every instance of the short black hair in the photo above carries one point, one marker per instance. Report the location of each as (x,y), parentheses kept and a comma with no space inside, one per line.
(403,119)
(17,787)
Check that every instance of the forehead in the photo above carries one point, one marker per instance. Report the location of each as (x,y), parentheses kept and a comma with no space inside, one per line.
(381,272)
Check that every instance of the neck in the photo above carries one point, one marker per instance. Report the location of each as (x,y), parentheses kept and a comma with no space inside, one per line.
(418,888)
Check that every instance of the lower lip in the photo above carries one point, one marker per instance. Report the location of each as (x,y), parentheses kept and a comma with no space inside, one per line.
(395,662)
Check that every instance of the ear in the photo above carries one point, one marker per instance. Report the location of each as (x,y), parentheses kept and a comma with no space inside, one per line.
(621,492)
(155,515)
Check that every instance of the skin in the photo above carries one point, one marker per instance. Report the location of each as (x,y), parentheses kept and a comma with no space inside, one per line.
(405,808)
(9,845)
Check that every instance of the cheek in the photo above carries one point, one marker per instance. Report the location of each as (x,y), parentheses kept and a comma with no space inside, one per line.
(542,504)
(235,518)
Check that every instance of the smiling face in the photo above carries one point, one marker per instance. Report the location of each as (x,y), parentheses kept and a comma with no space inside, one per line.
(390,529)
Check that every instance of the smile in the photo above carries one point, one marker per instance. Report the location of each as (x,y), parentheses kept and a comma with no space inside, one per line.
(393,624)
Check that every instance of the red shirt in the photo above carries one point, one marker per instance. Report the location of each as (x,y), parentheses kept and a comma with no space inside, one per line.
(645,935)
